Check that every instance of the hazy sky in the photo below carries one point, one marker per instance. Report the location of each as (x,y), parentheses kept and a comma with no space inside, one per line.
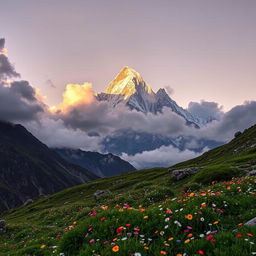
(202,49)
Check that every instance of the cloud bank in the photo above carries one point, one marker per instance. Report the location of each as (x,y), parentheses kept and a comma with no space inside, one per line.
(80,121)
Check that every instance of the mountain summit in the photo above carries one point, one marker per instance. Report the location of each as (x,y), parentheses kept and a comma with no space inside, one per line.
(126,83)
(128,88)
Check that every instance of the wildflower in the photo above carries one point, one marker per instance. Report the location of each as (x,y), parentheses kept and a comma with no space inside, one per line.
(115,248)
(239,235)
(92,241)
(215,222)
(163,252)
(187,241)
(189,217)
(201,252)
(102,219)
(119,229)
(42,246)
(145,217)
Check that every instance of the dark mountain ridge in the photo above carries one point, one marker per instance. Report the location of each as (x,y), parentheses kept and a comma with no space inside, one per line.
(28,168)
(103,165)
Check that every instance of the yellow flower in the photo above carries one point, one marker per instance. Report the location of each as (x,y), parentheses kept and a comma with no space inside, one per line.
(215,222)
(145,217)
(146,248)
(170,238)
(191,194)
(42,246)
(187,241)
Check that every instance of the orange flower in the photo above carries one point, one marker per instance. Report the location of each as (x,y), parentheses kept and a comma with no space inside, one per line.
(163,252)
(115,248)
(189,216)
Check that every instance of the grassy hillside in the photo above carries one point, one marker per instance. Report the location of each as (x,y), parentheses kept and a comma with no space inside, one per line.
(147,213)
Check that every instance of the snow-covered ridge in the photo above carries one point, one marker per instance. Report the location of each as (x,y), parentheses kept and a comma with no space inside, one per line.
(129,88)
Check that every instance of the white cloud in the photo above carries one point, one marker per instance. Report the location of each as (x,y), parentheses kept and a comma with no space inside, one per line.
(164,156)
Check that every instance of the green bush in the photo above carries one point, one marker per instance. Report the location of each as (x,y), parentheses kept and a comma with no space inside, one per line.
(216,173)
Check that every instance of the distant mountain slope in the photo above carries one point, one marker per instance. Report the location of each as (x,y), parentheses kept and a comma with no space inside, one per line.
(100,164)
(128,88)
(239,152)
(28,168)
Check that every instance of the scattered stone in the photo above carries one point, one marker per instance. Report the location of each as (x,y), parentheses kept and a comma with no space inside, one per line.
(117,181)
(100,193)
(2,226)
(183,173)
(251,173)
(237,134)
(251,222)
(29,201)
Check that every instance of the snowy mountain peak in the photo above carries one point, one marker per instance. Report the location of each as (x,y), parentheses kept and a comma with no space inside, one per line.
(128,88)
(127,83)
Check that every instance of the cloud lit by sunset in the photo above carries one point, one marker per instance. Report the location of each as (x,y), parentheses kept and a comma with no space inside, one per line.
(74,95)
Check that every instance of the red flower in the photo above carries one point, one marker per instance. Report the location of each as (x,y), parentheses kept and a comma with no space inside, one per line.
(239,235)
(102,219)
(209,237)
(120,229)
(127,225)
(201,252)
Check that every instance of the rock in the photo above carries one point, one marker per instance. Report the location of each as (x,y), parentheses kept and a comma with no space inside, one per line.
(251,222)
(117,182)
(2,226)
(251,173)
(237,134)
(29,201)
(100,193)
(183,173)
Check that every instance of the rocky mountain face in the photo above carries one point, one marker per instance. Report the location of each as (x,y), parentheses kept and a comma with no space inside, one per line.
(28,168)
(128,88)
(103,165)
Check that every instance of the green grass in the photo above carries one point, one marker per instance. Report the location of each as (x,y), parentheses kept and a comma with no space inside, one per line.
(63,222)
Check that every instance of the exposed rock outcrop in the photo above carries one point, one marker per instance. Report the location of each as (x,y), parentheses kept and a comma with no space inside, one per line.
(2,226)
(183,173)
(99,193)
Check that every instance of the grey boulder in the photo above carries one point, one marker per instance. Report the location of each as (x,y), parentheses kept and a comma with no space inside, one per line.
(251,222)
(2,226)
(251,173)
(183,173)
(99,193)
